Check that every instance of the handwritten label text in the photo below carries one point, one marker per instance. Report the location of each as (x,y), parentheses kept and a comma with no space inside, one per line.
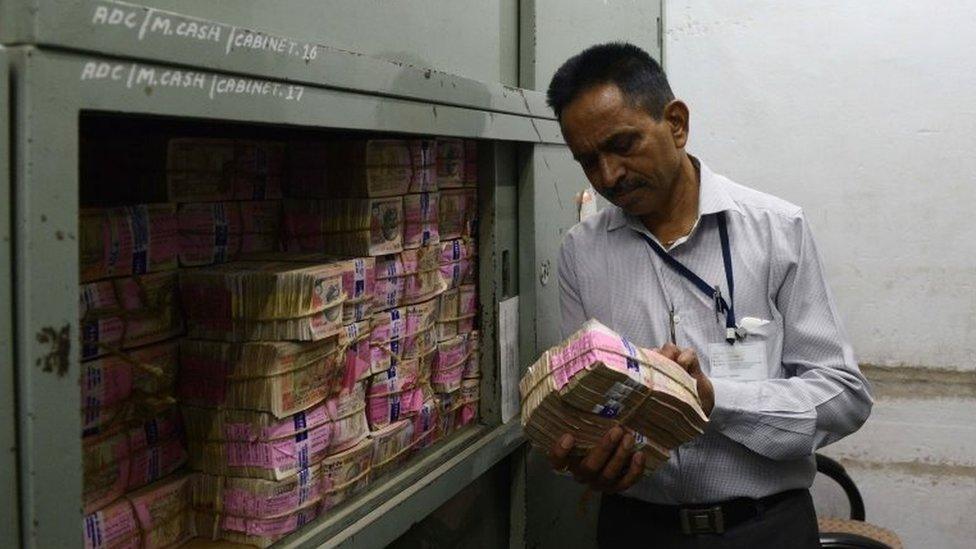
(134,75)
(148,22)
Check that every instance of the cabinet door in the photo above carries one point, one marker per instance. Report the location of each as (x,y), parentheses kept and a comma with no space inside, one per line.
(10,521)
(45,220)
(551,32)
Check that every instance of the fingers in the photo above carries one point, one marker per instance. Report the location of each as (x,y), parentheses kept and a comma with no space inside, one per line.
(670,351)
(559,452)
(688,360)
(610,466)
(592,465)
(614,468)
(633,474)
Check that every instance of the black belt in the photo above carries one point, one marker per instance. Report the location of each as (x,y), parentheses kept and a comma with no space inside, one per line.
(707,518)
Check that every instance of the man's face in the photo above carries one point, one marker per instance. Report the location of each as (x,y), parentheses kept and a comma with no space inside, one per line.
(631,159)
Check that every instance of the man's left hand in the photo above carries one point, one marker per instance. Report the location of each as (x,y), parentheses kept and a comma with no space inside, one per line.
(687,359)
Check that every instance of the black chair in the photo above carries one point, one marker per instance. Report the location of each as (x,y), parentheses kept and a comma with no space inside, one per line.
(852,533)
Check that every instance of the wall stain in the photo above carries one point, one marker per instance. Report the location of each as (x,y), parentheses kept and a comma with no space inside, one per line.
(57,358)
(919,382)
(912,468)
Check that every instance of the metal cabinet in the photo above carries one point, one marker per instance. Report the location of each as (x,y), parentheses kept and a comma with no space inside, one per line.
(74,58)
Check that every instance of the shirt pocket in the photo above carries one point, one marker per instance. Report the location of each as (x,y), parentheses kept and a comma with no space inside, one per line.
(770,334)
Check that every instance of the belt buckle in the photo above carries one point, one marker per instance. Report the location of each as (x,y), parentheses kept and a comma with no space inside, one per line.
(709,520)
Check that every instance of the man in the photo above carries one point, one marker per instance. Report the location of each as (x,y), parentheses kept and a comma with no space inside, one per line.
(726,281)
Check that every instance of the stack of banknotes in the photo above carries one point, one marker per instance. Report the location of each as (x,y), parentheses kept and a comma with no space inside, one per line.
(595,380)
(217,232)
(362,168)
(349,227)
(126,241)
(264,301)
(156,516)
(212,169)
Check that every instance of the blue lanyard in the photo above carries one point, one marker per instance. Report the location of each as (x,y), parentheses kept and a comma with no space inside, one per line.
(714,293)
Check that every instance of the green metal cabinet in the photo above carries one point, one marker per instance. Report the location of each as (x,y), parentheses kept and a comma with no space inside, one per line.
(90,57)
(53,88)
(257,64)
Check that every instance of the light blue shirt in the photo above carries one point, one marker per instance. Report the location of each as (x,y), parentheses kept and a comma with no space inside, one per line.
(762,434)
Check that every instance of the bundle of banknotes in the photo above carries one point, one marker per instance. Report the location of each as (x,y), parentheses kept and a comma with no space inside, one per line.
(362,168)
(391,445)
(472,366)
(346,473)
(358,278)
(261,476)
(154,517)
(425,424)
(402,333)
(256,498)
(126,241)
(456,311)
(347,227)
(254,531)
(457,262)
(421,219)
(355,338)
(217,232)
(275,300)
(408,277)
(126,387)
(124,461)
(458,408)
(127,312)
(457,213)
(450,362)
(279,377)
(213,169)
(450,163)
(470,400)
(595,380)
(470,163)
(395,394)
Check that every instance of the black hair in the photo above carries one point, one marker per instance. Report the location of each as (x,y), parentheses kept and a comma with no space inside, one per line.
(632,69)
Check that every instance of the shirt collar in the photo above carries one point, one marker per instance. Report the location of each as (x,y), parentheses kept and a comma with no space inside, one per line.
(713,197)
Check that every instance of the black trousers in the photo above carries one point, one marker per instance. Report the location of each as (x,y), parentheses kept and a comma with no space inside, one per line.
(791,523)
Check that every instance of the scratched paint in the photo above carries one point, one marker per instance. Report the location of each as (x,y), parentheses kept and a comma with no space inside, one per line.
(57,358)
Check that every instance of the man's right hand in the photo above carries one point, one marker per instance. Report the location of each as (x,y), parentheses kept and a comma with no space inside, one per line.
(610,466)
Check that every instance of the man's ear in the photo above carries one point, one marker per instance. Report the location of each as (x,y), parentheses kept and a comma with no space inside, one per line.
(677,117)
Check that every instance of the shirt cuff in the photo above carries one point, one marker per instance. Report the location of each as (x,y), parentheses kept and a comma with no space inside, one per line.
(729,398)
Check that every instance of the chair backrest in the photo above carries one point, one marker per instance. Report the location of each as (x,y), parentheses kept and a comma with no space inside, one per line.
(836,471)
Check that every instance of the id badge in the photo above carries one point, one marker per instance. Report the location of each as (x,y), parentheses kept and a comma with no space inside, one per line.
(744,361)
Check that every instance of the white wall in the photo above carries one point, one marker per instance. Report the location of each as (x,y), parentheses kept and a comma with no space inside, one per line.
(559,29)
(864,113)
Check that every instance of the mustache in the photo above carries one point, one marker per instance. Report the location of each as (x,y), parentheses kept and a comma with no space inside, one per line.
(625,187)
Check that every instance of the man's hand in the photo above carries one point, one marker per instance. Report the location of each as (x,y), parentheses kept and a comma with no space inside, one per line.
(610,466)
(687,359)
